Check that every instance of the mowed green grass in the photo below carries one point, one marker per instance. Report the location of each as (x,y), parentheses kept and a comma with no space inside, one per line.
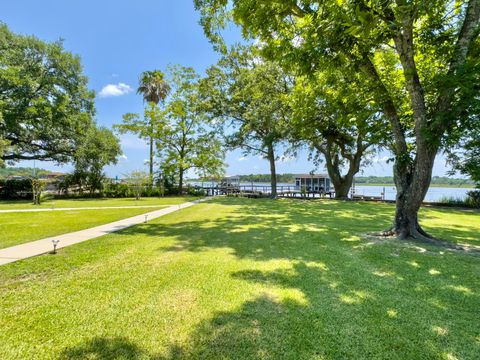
(20,227)
(95,202)
(250,279)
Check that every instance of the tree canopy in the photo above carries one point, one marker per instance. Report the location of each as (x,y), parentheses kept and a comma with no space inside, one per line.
(421,56)
(187,142)
(45,106)
(246,97)
(339,122)
(99,149)
(153,86)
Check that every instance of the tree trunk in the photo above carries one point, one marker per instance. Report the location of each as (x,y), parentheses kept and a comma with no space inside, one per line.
(273,172)
(151,161)
(180,183)
(342,184)
(412,182)
(342,187)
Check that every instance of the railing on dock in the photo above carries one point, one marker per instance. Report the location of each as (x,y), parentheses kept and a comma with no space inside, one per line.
(266,190)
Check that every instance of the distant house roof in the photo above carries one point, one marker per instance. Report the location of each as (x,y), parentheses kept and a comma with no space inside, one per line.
(311,176)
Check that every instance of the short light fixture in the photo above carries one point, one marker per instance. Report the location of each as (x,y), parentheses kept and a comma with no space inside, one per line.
(146,218)
(55,243)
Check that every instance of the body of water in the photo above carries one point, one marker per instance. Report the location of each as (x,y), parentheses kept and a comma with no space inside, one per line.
(434,194)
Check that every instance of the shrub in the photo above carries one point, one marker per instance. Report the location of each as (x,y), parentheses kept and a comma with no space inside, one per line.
(117,190)
(471,201)
(13,189)
(195,191)
(474,197)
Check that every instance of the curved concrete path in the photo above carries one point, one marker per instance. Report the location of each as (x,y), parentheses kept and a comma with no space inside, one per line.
(34,248)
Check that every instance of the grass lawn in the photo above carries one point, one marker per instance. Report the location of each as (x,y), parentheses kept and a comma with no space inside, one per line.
(74,203)
(20,227)
(250,279)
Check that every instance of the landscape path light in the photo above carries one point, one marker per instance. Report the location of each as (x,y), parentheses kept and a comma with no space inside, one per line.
(55,243)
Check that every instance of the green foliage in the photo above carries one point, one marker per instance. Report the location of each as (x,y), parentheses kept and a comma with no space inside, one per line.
(126,190)
(38,186)
(117,190)
(145,128)
(153,86)
(421,58)
(3,146)
(471,201)
(137,181)
(246,97)
(465,158)
(16,189)
(196,191)
(45,106)
(187,143)
(344,36)
(99,149)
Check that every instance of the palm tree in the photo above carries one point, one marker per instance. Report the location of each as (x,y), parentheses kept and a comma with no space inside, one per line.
(155,89)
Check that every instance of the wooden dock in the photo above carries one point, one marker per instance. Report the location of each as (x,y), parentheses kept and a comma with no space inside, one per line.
(257,191)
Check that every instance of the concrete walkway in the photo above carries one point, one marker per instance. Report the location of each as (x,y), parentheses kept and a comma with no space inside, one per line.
(34,248)
(86,208)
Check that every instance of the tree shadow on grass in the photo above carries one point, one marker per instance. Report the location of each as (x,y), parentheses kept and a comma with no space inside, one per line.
(263,230)
(324,318)
(337,300)
(305,312)
(103,348)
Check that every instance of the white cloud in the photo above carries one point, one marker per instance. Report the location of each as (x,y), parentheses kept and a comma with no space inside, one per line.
(119,89)
(123,157)
(242,158)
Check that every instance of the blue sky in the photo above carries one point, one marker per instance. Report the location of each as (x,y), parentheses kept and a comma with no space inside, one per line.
(117,40)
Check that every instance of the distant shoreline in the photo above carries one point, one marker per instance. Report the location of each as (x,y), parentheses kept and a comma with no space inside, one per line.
(265,183)
(460,186)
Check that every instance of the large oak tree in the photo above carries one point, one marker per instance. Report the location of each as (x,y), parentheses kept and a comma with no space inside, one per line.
(335,117)
(422,56)
(45,106)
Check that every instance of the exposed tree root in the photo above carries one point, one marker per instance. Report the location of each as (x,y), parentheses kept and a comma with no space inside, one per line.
(417,234)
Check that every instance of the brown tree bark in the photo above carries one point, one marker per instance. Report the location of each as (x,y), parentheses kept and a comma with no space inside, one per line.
(151,162)
(180,182)
(413,174)
(273,172)
(342,183)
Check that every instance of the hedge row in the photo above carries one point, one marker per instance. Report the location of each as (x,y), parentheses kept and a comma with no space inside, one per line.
(13,189)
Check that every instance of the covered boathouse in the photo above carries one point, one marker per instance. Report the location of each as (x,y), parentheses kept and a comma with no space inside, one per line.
(313,183)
